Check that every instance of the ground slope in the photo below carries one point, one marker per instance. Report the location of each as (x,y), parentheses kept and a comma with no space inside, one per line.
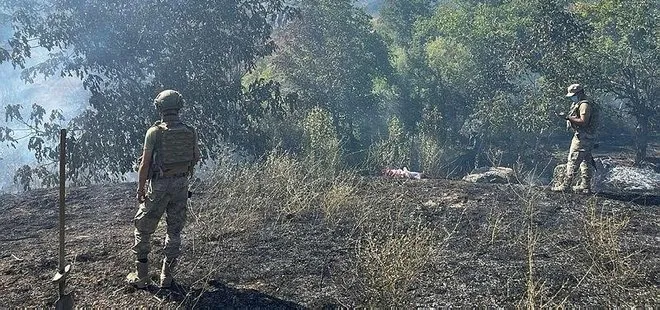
(480,244)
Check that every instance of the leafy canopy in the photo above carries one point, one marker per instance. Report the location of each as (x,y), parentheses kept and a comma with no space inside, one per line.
(127,51)
(331,57)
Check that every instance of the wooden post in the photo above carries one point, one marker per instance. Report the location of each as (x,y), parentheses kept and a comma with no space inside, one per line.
(62,215)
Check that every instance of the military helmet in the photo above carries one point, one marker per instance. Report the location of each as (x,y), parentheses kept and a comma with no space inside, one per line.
(168,100)
(574,89)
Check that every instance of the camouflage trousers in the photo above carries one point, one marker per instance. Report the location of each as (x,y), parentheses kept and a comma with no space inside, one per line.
(579,155)
(167,196)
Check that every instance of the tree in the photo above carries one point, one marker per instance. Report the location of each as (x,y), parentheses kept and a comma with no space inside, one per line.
(398,17)
(412,86)
(330,57)
(499,66)
(452,42)
(19,45)
(127,51)
(623,58)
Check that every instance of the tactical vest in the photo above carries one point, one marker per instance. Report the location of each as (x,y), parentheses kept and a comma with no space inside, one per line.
(174,153)
(588,129)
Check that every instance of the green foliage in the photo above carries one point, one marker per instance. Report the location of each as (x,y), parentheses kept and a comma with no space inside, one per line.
(330,57)
(433,155)
(547,38)
(456,79)
(23,177)
(455,40)
(43,136)
(398,18)
(623,58)
(125,52)
(322,144)
(395,151)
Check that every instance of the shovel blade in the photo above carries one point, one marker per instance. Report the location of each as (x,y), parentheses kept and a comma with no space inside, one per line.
(65,302)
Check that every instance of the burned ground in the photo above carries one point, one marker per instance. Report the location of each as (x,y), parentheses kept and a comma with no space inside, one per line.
(423,242)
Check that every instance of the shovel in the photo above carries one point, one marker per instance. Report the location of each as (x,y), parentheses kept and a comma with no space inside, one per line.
(65,301)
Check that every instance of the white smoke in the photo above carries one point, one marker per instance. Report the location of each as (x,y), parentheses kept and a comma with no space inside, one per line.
(62,93)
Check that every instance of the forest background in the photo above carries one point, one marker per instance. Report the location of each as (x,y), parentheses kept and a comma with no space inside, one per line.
(436,86)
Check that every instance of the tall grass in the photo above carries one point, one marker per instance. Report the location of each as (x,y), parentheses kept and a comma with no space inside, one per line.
(602,231)
(388,251)
(388,264)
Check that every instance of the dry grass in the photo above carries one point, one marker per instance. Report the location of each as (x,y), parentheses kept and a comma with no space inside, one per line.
(388,263)
(496,225)
(537,293)
(388,246)
(602,236)
(389,251)
(357,242)
(605,261)
(337,201)
(282,185)
(534,288)
(603,239)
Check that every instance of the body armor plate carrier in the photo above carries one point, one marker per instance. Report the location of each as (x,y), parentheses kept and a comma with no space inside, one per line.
(174,150)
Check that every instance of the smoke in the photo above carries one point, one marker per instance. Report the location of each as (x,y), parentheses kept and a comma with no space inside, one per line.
(62,93)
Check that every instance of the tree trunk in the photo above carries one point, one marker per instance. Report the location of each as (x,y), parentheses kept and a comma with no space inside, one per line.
(641,139)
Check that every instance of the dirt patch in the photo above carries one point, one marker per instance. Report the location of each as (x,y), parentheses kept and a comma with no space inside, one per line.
(496,245)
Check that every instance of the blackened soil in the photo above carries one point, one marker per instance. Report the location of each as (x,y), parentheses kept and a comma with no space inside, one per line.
(494,245)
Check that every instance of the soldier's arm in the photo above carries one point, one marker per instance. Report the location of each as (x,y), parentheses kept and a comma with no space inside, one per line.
(143,170)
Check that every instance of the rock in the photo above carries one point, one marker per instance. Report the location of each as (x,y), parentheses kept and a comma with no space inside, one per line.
(491,175)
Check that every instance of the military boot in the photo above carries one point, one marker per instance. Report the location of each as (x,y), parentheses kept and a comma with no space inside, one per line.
(559,188)
(563,185)
(140,277)
(166,273)
(584,186)
(581,189)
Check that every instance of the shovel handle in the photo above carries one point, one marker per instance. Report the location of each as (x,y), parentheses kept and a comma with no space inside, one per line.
(61,216)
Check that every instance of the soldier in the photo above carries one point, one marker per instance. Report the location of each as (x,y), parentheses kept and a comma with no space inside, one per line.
(170,152)
(581,119)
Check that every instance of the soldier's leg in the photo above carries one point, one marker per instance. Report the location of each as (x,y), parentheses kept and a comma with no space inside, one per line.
(586,172)
(146,220)
(573,161)
(571,166)
(585,147)
(175,217)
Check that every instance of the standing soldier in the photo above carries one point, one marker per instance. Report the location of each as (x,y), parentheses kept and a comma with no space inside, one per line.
(170,152)
(581,119)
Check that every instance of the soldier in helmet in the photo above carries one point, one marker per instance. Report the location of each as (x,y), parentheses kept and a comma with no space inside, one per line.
(169,154)
(581,120)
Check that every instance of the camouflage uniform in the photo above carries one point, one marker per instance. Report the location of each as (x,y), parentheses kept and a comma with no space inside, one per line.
(167,194)
(172,151)
(580,155)
(582,145)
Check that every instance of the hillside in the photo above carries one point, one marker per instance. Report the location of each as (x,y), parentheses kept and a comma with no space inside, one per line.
(423,242)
